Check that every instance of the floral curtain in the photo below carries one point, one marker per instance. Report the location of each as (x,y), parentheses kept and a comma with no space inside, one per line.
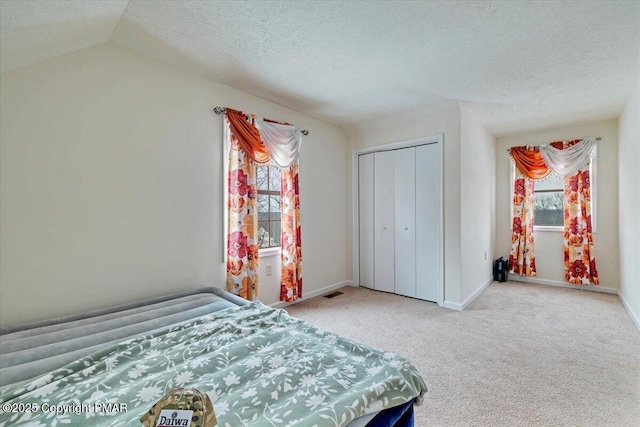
(252,140)
(242,243)
(571,160)
(579,255)
(522,258)
(291,283)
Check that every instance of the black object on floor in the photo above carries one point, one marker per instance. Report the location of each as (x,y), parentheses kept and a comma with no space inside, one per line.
(333,294)
(501,270)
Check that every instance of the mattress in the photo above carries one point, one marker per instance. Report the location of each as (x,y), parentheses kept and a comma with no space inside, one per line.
(51,349)
(32,349)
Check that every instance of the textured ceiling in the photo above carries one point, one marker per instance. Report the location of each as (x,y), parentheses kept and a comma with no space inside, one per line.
(518,65)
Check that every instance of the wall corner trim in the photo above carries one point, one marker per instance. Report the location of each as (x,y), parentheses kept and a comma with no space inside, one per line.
(477,293)
(634,316)
(460,307)
(317,292)
(452,305)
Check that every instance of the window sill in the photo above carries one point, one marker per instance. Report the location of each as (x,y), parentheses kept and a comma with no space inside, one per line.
(556,228)
(268,252)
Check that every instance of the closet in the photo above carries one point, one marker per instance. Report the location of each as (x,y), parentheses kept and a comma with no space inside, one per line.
(399,220)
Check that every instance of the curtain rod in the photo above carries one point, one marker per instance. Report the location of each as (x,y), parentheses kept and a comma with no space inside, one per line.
(597,139)
(222,110)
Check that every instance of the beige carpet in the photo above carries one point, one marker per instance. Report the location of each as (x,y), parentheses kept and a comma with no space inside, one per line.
(519,355)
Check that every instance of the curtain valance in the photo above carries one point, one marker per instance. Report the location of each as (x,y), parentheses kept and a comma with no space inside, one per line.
(562,157)
(529,161)
(282,141)
(265,140)
(567,161)
(248,136)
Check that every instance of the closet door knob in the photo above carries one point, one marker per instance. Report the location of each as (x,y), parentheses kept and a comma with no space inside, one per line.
(406,228)
(384,228)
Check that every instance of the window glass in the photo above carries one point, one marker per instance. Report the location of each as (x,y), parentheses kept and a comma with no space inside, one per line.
(274,179)
(269,213)
(261,177)
(548,208)
(274,208)
(549,201)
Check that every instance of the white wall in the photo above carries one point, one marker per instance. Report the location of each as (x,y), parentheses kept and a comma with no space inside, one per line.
(549,244)
(111,185)
(629,204)
(441,118)
(478,203)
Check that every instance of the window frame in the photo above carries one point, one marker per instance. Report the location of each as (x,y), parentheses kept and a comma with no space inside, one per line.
(593,169)
(269,250)
(549,227)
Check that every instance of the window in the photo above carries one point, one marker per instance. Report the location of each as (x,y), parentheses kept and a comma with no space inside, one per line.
(548,208)
(268,183)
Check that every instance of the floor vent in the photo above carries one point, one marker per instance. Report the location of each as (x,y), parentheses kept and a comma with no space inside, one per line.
(333,294)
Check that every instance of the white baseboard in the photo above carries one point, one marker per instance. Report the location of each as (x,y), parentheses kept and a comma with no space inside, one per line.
(594,288)
(625,304)
(459,307)
(317,292)
(452,305)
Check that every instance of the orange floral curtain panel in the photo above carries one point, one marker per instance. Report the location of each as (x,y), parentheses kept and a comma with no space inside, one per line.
(522,258)
(579,255)
(242,238)
(291,283)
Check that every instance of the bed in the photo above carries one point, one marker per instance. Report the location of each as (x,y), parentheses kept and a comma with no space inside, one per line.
(259,366)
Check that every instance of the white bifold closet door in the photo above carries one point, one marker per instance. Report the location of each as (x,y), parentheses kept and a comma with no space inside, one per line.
(365,209)
(399,213)
(428,199)
(384,221)
(405,221)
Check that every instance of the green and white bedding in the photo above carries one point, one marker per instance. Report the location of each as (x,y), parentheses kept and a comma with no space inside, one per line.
(259,366)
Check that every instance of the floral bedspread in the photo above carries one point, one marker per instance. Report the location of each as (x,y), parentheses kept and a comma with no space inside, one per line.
(259,366)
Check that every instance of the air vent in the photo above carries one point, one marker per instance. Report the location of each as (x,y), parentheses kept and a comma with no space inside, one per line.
(333,294)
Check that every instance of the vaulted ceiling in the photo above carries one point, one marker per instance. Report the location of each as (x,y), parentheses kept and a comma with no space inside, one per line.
(518,65)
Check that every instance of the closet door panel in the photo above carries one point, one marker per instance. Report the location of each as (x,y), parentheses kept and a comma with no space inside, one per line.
(428,189)
(384,222)
(365,214)
(405,221)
